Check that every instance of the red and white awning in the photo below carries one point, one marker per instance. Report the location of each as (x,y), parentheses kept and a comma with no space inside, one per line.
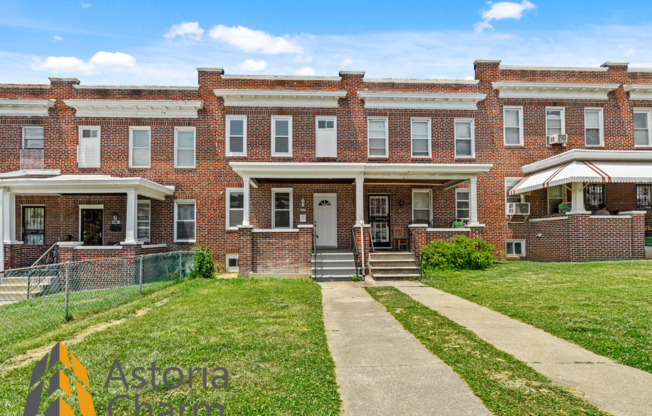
(586,172)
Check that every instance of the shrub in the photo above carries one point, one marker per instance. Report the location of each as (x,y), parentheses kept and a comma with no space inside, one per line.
(461,253)
(202,264)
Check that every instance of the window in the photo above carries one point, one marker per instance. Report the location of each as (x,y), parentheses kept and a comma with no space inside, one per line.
(184,147)
(644,197)
(593,197)
(593,131)
(513,125)
(184,227)
(462,204)
(326,137)
(642,128)
(515,248)
(421,206)
(555,121)
(420,131)
(34,225)
(555,197)
(33,137)
(377,137)
(234,207)
(236,135)
(464,138)
(143,219)
(281,208)
(509,184)
(281,136)
(231,262)
(89,148)
(139,147)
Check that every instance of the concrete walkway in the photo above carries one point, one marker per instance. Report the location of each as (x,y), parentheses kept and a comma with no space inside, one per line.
(612,387)
(381,368)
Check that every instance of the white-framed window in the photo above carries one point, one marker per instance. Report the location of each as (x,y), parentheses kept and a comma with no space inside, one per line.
(185,218)
(377,136)
(282,208)
(234,207)
(89,147)
(509,184)
(555,120)
(33,137)
(462,204)
(282,136)
(236,135)
(513,125)
(184,147)
(421,132)
(464,137)
(642,128)
(325,136)
(421,206)
(593,127)
(143,220)
(555,198)
(232,262)
(140,147)
(515,248)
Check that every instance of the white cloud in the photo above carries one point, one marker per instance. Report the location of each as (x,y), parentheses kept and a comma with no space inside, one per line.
(112,59)
(503,10)
(250,40)
(630,52)
(252,65)
(65,64)
(305,71)
(57,38)
(346,62)
(86,5)
(185,30)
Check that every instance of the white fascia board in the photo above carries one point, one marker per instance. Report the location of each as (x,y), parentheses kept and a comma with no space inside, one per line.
(25,173)
(136,87)
(280,98)
(639,91)
(422,81)
(136,108)
(553,68)
(421,100)
(29,108)
(590,155)
(554,90)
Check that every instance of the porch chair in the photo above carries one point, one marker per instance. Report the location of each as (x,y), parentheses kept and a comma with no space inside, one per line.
(399,238)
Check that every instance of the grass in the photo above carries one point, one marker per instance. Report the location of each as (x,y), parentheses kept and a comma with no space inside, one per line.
(605,307)
(505,385)
(268,334)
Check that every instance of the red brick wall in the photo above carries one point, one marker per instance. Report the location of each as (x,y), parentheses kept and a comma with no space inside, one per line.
(284,252)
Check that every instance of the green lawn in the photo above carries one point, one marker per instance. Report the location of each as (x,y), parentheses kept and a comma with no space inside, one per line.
(605,307)
(268,334)
(507,386)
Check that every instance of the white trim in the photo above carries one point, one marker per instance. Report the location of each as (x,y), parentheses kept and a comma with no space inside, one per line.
(273,141)
(463,229)
(457,192)
(422,190)
(135,108)
(183,202)
(79,220)
(231,256)
(176,147)
(553,68)
(639,91)
(589,154)
(83,247)
(386,121)
(227,145)
(561,217)
(601,125)
(648,113)
(562,115)
(277,77)
(421,100)
(146,246)
(280,98)
(131,147)
(421,81)
(521,133)
(506,192)
(25,108)
(516,240)
(610,216)
(149,220)
(428,120)
(464,120)
(554,90)
(282,190)
(135,87)
(22,144)
(318,196)
(228,207)
(275,230)
(563,196)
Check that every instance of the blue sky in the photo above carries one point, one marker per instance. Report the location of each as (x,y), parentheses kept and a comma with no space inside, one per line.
(162,42)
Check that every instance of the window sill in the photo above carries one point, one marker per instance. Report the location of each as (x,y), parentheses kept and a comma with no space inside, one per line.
(282,156)
(515,146)
(185,241)
(235,155)
(140,167)
(465,158)
(232,229)
(186,167)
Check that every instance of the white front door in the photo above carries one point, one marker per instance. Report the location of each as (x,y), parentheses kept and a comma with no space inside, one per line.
(325,209)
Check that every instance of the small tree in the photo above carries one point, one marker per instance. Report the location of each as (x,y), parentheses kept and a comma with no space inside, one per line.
(202,264)
(461,253)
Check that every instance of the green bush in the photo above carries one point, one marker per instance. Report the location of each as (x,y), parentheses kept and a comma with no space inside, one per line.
(461,253)
(202,264)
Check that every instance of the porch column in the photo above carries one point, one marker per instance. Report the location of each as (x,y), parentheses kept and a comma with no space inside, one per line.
(359,199)
(132,214)
(246,190)
(2,228)
(577,198)
(473,201)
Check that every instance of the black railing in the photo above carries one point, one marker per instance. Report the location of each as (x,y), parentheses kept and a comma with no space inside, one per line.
(314,250)
(356,254)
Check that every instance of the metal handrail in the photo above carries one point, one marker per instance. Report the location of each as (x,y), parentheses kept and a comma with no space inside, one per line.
(46,256)
(356,254)
(416,250)
(314,250)
(371,242)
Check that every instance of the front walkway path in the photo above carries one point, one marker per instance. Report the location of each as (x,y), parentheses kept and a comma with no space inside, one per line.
(381,368)
(612,387)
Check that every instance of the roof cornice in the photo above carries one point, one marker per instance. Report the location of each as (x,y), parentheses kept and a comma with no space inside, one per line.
(639,91)
(26,108)
(554,90)
(421,100)
(136,87)
(136,108)
(280,98)
(590,155)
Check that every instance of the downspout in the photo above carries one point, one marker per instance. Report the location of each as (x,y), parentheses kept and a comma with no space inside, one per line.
(362,258)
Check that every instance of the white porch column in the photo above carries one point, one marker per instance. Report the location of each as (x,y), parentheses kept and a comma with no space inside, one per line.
(473,201)
(359,199)
(132,215)
(246,188)
(2,229)
(577,199)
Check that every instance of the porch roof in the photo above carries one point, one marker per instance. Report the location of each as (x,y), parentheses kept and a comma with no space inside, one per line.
(85,184)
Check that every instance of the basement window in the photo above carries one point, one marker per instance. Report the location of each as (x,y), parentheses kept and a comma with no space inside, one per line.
(232,263)
(515,248)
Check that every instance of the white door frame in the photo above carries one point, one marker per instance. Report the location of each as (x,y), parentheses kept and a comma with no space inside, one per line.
(315,198)
(101,206)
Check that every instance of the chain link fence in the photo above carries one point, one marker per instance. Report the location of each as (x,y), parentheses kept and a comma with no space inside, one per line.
(35,298)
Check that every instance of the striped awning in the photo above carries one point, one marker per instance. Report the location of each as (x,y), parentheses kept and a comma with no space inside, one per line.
(585,172)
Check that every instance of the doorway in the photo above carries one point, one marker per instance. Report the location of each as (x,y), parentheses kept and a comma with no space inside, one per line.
(325,212)
(91,225)
(379,218)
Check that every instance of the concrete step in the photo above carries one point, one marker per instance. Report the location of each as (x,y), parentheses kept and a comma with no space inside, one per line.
(397,255)
(25,279)
(334,263)
(395,270)
(335,271)
(393,262)
(391,276)
(13,296)
(332,256)
(332,279)
(15,287)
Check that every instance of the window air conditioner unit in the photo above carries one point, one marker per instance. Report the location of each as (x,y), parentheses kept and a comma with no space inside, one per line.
(518,208)
(557,139)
